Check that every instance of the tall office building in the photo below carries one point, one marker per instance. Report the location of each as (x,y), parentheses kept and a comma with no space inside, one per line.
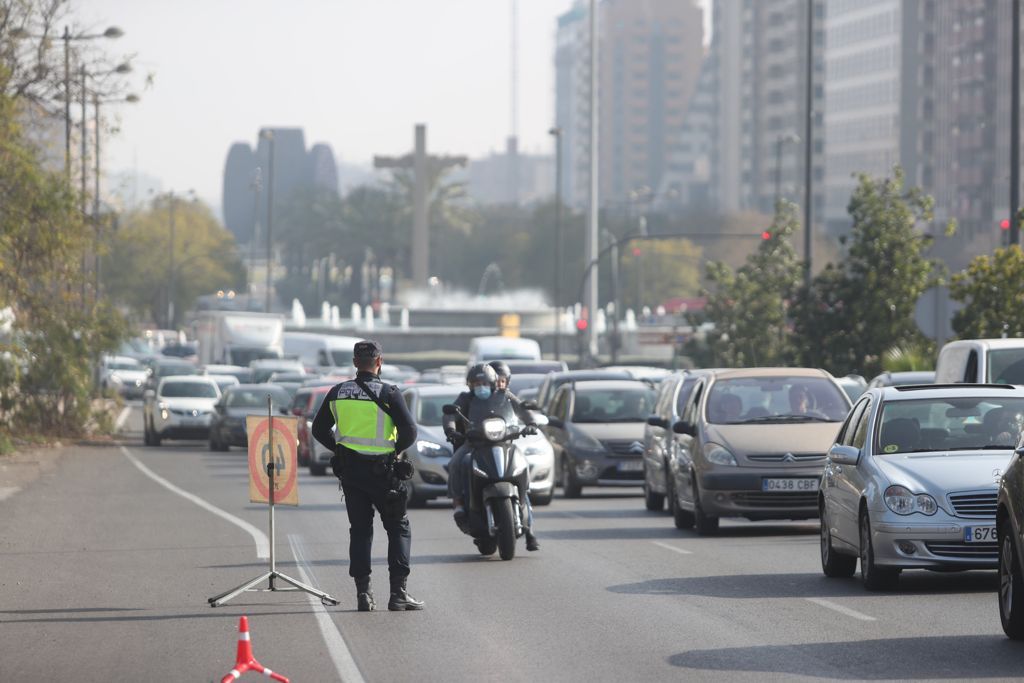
(295,169)
(649,58)
(880,58)
(742,138)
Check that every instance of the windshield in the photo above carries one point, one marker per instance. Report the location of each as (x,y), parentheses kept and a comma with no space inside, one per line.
(257,398)
(1006,366)
(614,405)
(188,390)
(520,383)
(243,356)
(950,424)
(752,400)
(177,369)
(428,409)
(341,357)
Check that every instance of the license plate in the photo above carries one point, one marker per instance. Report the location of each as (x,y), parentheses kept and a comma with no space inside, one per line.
(980,534)
(789,484)
(631,466)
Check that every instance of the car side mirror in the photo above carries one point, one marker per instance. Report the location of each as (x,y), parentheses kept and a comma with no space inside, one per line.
(556,422)
(657,421)
(844,455)
(684,427)
(540,419)
(449,409)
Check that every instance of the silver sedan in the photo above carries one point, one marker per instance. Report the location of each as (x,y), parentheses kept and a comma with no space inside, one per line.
(911,482)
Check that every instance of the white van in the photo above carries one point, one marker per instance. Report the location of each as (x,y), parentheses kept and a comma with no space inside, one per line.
(981,361)
(319,350)
(485,349)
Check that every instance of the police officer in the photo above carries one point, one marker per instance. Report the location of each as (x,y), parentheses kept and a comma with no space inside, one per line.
(366,422)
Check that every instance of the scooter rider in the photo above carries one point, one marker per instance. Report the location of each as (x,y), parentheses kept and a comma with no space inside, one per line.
(482,381)
(366,423)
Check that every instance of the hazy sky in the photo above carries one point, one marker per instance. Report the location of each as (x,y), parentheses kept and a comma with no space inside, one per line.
(356,74)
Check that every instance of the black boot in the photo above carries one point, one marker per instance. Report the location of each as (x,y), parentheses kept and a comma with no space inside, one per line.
(364,595)
(400,598)
(531,542)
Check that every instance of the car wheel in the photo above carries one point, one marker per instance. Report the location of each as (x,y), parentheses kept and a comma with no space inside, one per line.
(654,502)
(683,518)
(705,524)
(1011,586)
(413,499)
(833,564)
(542,500)
(873,577)
(571,487)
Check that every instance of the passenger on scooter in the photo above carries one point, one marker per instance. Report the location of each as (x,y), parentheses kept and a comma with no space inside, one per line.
(482,381)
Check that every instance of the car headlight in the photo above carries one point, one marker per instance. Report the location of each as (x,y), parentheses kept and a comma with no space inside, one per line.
(494,428)
(900,500)
(718,455)
(430,448)
(163,413)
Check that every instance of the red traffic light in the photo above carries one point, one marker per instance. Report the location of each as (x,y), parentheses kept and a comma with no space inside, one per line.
(766,235)
(581,325)
(636,251)
(1004,224)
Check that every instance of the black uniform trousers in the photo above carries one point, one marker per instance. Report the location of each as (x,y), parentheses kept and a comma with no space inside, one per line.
(364,490)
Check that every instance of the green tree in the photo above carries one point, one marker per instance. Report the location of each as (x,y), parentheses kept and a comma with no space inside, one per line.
(658,270)
(990,291)
(864,305)
(138,271)
(750,306)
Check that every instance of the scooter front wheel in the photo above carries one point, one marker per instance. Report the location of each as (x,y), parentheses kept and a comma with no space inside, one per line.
(506,528)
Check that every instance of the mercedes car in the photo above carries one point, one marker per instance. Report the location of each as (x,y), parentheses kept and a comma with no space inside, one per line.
(912,480)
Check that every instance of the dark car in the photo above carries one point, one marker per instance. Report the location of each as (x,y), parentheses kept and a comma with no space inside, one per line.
(597,430)
(660,442)
(556,379)
(228,426)
(1010,536)
(525,382)
(304,406)
(168,367)
(431,452)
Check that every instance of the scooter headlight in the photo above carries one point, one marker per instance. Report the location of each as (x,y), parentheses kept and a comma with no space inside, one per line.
(494,428)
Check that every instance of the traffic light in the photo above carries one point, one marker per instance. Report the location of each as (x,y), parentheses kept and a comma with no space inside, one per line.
(766,235)
(636,251)
(1004,224)
(581,325)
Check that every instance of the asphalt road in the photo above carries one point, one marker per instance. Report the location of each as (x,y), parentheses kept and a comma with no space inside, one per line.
(105,567)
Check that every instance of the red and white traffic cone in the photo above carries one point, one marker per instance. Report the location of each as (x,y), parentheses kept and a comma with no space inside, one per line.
(244,660)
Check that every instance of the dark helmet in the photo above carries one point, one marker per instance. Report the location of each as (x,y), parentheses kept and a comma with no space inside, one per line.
(482,372)
(501,368)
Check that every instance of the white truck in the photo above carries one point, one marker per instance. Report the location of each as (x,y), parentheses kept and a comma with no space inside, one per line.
(236,338)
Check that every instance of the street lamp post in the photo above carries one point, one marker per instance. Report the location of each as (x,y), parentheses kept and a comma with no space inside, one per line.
(557,293)
(809,145)
(1015,127)
(170,264)
(268,135)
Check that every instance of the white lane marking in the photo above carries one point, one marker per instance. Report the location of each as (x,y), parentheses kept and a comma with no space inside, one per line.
(122,417)
(828,604)
(674,549)
(8,491)
(346,666)
(262,544)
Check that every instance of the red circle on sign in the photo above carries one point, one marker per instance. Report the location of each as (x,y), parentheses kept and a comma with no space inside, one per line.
(257,476)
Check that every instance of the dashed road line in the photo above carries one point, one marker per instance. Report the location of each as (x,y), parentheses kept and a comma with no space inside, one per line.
(673,548)
(262,544)
(341,656)
(828,604)
(8,491)
(122,417)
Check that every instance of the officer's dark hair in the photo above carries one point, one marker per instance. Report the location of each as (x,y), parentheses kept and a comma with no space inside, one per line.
(365,364)
(501,368)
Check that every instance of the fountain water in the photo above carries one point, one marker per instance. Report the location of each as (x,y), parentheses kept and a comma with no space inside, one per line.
(335,317)
(357,314)
(325,312)
(404,318)
(369,319)
(385,314)
(298,313)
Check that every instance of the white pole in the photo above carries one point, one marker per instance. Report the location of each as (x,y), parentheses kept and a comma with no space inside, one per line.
(590,294)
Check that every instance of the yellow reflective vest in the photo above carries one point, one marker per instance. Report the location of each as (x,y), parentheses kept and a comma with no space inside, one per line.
(360,424)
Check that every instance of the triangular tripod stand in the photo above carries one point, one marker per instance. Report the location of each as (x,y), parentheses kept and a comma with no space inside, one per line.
(273,575)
